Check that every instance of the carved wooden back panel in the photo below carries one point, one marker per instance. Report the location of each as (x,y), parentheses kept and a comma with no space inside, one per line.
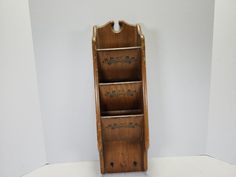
(121,99)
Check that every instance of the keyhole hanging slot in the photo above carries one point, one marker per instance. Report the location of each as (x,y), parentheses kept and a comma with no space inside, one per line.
(117,27)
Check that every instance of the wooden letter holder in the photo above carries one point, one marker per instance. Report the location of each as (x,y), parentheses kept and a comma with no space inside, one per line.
(121,99)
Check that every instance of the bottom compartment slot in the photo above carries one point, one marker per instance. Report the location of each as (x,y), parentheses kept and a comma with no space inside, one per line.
(125,128)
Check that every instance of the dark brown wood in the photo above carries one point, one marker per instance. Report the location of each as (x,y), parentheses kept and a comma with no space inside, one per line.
(121,97)
(119,65)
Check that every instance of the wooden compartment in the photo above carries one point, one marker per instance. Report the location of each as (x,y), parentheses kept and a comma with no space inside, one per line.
(123,137)
(121,99)
(119,65)
(122,128)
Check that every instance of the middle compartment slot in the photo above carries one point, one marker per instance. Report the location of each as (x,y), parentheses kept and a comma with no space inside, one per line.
(121,98)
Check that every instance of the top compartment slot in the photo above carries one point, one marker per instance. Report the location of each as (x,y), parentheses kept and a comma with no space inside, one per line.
(119,65)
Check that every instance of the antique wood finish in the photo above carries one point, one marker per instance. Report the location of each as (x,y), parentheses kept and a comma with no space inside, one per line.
(121,97)
(119,65)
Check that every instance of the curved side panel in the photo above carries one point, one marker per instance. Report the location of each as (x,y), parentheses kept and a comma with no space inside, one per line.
(97,100)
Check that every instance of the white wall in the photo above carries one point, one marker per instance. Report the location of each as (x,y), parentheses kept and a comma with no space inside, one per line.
(222,115)
(21,135)
(178,38)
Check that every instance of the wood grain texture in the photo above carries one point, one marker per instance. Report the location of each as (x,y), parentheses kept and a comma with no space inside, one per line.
(107,37)
(123,156)
(119,65)
(121,97)
(123,128)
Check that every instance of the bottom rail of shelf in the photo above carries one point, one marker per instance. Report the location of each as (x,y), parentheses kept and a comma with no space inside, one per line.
(123,156)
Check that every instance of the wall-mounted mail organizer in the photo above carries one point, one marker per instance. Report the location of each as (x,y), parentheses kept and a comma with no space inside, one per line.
(121,97)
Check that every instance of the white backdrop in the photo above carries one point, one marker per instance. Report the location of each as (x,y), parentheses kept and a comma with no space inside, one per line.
(178,39)
(178,42)
(222,114)
(21,133)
